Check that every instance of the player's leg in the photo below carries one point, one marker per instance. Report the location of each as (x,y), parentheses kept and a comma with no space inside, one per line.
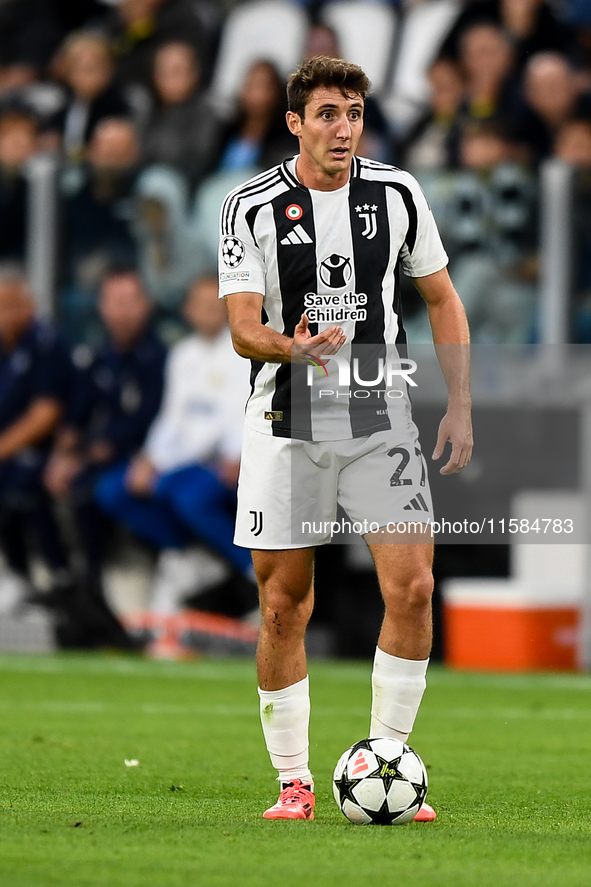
(286,590)
(402,655)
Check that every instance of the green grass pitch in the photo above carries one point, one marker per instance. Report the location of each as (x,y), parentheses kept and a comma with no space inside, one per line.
(509,764)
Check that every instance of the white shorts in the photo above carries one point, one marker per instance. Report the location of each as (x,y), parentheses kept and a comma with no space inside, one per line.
(288,490)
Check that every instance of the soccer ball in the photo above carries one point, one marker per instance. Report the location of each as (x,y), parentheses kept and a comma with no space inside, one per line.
(232,251)
(380,781)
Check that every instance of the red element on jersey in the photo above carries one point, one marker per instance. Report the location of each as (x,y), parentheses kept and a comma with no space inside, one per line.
(294,212)
(360,765)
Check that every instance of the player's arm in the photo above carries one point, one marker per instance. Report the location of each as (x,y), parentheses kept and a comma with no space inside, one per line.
(452,338)
(252,339)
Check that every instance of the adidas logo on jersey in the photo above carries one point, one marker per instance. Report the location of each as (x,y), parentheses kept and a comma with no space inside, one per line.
(298,235)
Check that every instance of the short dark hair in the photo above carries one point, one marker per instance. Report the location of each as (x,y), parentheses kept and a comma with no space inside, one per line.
(324,71)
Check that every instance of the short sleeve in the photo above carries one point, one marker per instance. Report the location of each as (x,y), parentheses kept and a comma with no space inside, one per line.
(241,262)
(423,252)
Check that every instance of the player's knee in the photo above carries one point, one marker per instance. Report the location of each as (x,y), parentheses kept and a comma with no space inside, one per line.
(286,603)
(412,596)
(285,597)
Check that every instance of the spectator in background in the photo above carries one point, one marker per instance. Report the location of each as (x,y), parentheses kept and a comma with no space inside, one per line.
(183,130)
(35,377)
(181,487)
(487,58)
(489,230)
(98,215)
(432,145)
(29,34)
(116,395)
(138,27)
(531,25)
(257,136)
(18,143)
(87,70)
(552,96)
(573,143)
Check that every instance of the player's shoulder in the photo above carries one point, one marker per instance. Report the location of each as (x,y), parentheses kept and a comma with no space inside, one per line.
(259,184)
(375,170)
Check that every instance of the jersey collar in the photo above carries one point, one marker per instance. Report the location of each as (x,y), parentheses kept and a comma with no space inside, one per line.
(288,170)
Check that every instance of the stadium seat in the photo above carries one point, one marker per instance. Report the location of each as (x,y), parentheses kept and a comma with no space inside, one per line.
(269,30)
(424,29)
(365,32)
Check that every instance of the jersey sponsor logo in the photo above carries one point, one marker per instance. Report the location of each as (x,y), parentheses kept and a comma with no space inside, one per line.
(367,214)
(274,415)
(297,236)
(335,308)
(336,271)
(226,276)
(294,212)
(233,251)
(257,522)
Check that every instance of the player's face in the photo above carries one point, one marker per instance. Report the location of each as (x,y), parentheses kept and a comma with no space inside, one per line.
(329,133)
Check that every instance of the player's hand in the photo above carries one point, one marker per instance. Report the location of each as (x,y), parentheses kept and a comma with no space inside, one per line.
(329,341)
(455,427)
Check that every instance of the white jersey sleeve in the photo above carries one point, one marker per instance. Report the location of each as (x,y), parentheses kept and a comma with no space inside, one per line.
(427,254)
(240,260)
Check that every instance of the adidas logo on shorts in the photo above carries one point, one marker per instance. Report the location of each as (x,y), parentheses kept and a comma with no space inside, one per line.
(417,504)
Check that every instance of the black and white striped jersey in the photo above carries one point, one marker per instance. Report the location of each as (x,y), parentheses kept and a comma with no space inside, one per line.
(335,255)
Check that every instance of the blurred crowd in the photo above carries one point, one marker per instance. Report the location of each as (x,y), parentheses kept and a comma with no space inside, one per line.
(127,409)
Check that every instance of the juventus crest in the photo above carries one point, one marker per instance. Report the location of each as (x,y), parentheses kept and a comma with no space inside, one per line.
(368,214)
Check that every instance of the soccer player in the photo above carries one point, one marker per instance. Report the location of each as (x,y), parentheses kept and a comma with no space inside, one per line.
(329,224)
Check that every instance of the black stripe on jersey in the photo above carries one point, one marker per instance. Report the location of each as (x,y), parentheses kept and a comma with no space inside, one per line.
(289,177)
(411,209)
(397,306)
(296,266)
(255,186)
(251,217)
(405,193)
(371,256)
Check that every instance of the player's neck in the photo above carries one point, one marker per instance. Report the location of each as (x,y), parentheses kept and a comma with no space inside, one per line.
(313,176)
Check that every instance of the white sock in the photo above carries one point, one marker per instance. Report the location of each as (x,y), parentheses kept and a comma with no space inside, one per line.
(285,716)
(397,689)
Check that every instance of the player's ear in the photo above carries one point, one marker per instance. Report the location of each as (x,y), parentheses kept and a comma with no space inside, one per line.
(294,123)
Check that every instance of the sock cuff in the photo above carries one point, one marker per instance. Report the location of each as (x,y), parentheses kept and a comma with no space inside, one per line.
(397,667)
(301,688)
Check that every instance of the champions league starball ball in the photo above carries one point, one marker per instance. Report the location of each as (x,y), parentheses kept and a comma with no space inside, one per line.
(380,781)
(232,251)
